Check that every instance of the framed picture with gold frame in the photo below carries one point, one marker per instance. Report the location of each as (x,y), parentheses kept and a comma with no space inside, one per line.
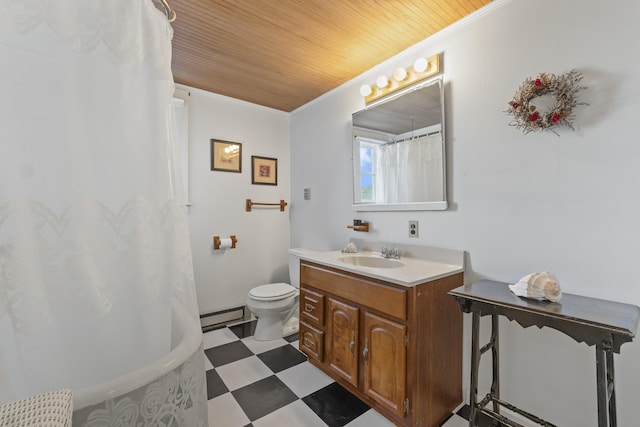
(226,156)
(264,170)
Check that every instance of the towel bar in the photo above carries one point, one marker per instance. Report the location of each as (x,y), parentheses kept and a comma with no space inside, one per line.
(282,204)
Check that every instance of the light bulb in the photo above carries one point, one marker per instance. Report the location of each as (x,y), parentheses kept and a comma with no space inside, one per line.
(382,82)
(420,65)
(400,74)
(365,90)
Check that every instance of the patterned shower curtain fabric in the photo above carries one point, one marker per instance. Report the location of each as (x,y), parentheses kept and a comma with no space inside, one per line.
(94,244)
(403,176)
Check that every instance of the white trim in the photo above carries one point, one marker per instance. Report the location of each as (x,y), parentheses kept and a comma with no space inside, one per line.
(418,206)
(233,100)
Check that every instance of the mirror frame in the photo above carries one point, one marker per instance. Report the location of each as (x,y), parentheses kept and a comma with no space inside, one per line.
(438,205)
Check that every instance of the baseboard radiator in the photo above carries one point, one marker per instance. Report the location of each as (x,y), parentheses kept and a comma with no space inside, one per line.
(218,319)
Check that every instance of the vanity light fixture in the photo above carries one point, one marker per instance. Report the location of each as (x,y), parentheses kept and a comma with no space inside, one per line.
(421,69)
(420,65)
(400,74)
(382,82)
(365,90)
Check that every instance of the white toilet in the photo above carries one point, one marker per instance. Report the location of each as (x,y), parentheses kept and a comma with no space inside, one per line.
(276,304)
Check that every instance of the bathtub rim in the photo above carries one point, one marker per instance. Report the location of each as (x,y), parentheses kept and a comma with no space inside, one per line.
(190,342)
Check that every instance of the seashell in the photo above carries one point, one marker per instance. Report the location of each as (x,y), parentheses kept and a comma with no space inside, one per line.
(542,285)
(350,249)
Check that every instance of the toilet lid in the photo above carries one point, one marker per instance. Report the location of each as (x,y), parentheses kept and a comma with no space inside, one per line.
(272,291)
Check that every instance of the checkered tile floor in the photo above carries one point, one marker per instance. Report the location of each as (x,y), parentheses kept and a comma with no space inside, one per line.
(271,384)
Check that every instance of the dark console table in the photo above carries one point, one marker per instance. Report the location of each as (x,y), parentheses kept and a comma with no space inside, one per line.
(600,323)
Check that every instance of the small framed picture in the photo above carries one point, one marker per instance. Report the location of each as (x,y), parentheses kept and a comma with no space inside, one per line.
(226,156)
(264,170)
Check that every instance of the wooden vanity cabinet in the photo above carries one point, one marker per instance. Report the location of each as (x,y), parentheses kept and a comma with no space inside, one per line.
(342,338)
(397,348)
(311,339)
(385,362)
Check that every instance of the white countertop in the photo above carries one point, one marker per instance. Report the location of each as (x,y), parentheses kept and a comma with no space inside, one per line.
(413,272)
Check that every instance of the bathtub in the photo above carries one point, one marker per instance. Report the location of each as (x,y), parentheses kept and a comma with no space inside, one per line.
(170,392)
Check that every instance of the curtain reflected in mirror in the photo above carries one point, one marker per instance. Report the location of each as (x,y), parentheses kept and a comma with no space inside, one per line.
(398,151)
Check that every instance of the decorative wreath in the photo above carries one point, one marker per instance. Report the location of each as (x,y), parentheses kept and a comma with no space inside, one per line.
(564,87)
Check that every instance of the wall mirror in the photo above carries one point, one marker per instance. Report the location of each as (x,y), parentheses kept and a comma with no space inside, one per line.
(399,152)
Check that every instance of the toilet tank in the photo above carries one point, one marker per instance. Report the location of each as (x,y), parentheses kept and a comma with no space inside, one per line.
(294,265)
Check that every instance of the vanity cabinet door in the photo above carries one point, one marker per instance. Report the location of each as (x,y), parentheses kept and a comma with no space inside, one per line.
(342,340)
(385,362)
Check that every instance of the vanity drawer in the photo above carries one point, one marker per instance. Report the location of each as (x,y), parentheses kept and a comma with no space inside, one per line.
(312,307)
(378,296)
(311,341)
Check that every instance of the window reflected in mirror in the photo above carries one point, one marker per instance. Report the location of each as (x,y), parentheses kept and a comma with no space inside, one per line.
(367,179)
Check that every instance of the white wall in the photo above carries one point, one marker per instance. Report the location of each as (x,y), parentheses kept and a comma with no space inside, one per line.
(519,203)
(224,277)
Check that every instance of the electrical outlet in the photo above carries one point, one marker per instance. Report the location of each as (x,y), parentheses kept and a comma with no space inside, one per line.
(307,194)
(413,228)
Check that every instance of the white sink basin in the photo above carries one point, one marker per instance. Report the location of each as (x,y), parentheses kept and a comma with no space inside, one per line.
(372,262)
(419,265)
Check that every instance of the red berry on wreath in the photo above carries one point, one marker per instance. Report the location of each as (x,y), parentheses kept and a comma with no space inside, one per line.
(555,118)
(538,82)
(533,117)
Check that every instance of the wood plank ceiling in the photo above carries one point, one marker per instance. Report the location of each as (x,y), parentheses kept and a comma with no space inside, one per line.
(285,53)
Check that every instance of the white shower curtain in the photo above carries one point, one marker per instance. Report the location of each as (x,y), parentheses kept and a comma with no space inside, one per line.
(410,170)
(93,240)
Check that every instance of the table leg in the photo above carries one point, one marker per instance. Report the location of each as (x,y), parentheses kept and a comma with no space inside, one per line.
(611,387)
(495,358)
(601,386)
(475,364)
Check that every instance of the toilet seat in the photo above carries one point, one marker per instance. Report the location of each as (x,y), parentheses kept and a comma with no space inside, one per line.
(272,292)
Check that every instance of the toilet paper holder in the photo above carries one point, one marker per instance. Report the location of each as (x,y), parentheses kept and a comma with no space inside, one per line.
(216,242)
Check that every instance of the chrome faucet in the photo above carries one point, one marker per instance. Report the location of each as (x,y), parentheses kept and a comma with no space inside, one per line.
(389,253)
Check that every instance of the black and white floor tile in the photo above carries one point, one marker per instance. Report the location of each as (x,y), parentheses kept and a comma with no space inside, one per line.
(271,384)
